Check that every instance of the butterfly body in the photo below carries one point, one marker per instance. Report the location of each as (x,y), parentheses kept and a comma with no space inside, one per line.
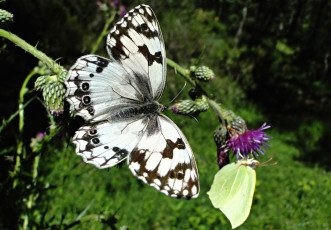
(148,109)
(119,96)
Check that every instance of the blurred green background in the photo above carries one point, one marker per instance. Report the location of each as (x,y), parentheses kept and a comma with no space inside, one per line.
(271,60)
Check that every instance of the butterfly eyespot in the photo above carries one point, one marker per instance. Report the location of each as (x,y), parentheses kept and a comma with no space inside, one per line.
(102,62)
(158,54)
(93,132)
(106,147)
(122,153)
(85,86)
(90,110)
(91,75)
(99,69)
(86,100)
(95,141)
(116,149)
(172,175)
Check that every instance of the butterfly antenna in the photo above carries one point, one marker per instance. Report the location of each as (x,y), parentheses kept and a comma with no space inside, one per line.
(178,93)
(265,163)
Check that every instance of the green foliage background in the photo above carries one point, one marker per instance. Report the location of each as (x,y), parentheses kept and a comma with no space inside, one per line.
(277,70)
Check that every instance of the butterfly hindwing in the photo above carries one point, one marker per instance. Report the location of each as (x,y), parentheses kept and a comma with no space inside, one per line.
(137,43)
(164,159)
(106,144)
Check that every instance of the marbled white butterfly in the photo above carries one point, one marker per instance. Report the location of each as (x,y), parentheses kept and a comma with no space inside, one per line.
(119,96)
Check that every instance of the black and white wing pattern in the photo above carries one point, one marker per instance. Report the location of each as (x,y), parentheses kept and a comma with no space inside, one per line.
(164,159)
(137,43)
(119,96)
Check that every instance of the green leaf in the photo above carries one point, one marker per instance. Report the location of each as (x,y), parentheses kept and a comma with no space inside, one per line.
(232,190)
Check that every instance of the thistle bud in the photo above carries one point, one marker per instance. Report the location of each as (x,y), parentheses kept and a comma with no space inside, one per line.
(53,91)
(186,107)
(36,142)
(62,76)
(202,104)
(53,94)
(220,135)
(204,73)
(238,124)
(5,17)
(41,82)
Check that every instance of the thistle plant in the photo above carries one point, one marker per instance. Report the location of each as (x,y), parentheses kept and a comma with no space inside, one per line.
(53,91)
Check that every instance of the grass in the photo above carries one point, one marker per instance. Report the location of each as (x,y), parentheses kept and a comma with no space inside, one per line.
(289,195)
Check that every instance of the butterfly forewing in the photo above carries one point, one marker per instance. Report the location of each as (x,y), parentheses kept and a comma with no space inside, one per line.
(120,97)
(137,43)
(94,80)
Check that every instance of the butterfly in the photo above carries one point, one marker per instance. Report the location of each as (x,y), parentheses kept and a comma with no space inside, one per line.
(119,98)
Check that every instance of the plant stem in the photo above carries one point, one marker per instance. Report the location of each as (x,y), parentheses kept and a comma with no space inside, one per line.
(6,122)
(19,149)
(56,68)
(217,109)
(183,72)
(103,33)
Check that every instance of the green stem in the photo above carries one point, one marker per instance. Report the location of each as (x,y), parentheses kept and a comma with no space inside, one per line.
(32,196)
(34,177)
(183,72)
(56,68)
(103,33)
(19,149)
(217,109)
(6,122)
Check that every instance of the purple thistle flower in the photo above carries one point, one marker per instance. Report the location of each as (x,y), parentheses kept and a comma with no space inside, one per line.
(250,141)
(174,108)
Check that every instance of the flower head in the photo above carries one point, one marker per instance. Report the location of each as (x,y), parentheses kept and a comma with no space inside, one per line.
(185,107)
(53,91)
(36,142)
(249,141)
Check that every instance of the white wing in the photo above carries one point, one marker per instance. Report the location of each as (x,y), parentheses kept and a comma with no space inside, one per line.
(137,43)
(120,95)
(164,159)
(98,87)
(106,144)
